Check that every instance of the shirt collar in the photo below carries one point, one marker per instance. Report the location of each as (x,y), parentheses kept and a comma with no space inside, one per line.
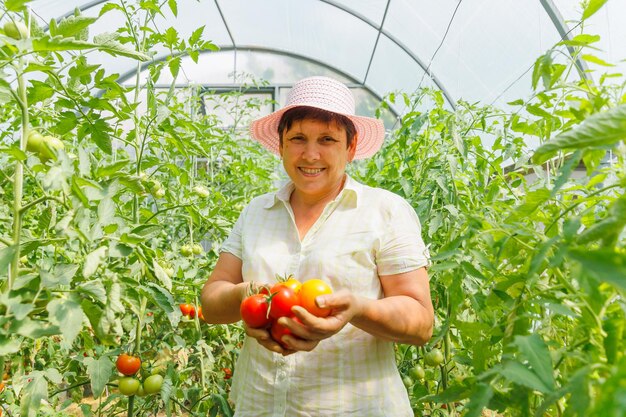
(352,191)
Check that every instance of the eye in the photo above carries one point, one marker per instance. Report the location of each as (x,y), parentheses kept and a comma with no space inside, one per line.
(329,139)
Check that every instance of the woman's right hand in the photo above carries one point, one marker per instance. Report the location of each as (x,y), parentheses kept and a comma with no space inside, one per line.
(264,338)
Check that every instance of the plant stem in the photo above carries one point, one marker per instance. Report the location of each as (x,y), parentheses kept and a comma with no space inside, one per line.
(18,179)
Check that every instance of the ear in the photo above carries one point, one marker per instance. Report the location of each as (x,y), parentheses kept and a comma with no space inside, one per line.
(352,147)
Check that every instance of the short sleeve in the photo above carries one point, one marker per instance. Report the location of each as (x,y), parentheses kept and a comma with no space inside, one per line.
(402,248)
(234,243)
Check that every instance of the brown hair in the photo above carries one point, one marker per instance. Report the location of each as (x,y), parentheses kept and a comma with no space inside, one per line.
(303,112)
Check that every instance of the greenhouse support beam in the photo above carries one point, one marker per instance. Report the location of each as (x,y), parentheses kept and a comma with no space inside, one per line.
(564,33)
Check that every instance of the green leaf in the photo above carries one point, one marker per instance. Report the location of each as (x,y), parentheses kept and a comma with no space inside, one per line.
(594,59)
(536,352)
(9,345)
(108,170)
(105,43)
(165,301)
(592,7)
(34,329)
(93,261)
(173,7)
(162,275)
(68,315)
(521,375)
(479,399)
(61,274)
(581,40)
(94,288)
(16,5)
(601,129)
(99,371)
(73,25)
(6,256)
(33,394)
(604,264)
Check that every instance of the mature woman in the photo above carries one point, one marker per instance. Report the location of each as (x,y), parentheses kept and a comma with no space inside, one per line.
(365,242)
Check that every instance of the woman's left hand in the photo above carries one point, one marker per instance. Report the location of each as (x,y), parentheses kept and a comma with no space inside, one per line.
(343,305)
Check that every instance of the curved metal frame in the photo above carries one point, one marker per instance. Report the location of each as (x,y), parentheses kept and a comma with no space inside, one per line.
(548,6)
(561,27)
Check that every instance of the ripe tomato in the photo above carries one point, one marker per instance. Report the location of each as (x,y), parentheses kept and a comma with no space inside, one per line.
(127,364)
(188,310)
(228,373)
(1,387)
(283,298)
(278,331)
(294,284)
(200,315)
(152,384)
(128,385)
(253,311)
(309,291)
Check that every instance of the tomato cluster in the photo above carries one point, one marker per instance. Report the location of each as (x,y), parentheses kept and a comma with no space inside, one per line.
(264,308)
(189,310)
(128,365)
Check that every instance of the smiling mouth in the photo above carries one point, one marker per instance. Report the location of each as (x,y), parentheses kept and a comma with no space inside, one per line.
(310,171)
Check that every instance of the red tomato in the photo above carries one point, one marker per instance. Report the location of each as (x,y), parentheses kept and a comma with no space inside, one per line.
(283,298)
(188,310)
(253,311)
(309,291)
(227,373)
(278,331)
(127,364)
(200,315)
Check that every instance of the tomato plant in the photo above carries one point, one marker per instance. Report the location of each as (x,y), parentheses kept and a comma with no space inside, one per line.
(254,311)
(128,364)
(309,291)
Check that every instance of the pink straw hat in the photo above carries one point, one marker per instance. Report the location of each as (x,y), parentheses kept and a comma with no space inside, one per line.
(327,94)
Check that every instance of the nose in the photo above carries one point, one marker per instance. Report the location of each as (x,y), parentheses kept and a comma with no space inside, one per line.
(310,151)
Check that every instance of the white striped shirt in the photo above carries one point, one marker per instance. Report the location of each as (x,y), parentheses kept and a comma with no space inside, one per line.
(365,232)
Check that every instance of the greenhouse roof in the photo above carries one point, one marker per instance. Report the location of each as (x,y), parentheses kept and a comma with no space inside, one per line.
(478,51)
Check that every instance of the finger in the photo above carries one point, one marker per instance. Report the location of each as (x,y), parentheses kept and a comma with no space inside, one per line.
(296,344)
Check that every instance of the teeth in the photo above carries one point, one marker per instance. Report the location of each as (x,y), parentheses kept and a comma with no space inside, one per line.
(311,170)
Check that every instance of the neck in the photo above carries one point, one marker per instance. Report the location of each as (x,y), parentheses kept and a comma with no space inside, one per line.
(312,201)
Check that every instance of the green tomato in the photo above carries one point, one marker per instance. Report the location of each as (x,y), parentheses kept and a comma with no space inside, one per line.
(197,249)
(49,148)
(16,30)
(201,191)
(407,381)
(186,250)
(141,392)
(434,358)
(34,141)
(159,193)
(128,385)
(152,384)
(417,373)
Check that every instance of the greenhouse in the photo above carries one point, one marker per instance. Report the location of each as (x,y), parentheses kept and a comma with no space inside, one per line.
(313,208)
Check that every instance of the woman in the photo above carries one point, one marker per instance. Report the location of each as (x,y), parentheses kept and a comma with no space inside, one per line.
(365,242)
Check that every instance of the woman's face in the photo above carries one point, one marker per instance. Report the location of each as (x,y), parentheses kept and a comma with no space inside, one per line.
(315,156)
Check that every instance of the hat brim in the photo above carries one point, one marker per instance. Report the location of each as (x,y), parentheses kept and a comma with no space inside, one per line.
(370,132)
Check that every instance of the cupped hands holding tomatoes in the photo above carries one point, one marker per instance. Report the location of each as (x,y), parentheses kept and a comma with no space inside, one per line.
(289,309)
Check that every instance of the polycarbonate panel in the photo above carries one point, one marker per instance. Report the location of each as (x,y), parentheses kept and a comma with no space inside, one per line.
(218,68)
(393,70)
(608,22)
(488,46)
(372,10)
(309,28)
